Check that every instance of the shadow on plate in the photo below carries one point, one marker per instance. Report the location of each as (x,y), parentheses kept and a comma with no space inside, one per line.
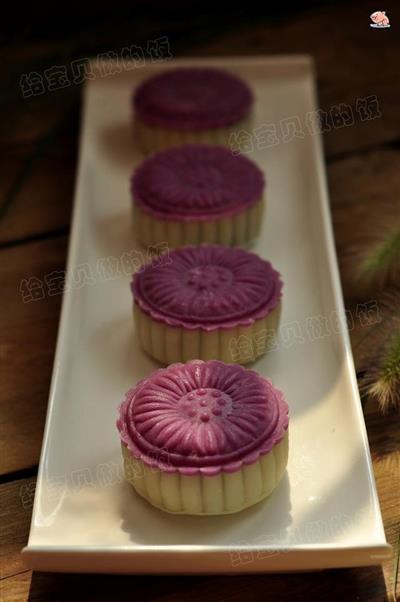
(147,525)
(129,358)
(333,585)
(118,145)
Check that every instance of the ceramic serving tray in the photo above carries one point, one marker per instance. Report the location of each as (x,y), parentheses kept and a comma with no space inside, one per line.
(325,512)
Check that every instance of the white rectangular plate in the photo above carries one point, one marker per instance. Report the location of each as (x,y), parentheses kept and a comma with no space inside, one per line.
(325,513)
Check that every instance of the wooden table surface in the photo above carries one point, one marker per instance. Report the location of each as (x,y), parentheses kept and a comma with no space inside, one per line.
(39,144)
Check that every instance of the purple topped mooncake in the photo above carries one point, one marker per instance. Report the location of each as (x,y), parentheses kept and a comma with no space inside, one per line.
(207,302)
(197,193)
(190,105)
(204,437)
(192,98)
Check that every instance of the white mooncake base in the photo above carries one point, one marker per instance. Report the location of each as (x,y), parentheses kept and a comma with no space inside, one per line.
(153,138)
(223,493)
(236,345)
(239,229)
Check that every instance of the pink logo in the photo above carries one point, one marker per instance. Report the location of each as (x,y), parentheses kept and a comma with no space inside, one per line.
(379,19)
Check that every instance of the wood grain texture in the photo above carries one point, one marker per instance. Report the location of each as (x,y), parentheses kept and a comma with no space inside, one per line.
(27,348)
(44,203)
(366,69)
(16,501)
(371,177)
(384,435)
(365,199)
(16,589)
(37,177)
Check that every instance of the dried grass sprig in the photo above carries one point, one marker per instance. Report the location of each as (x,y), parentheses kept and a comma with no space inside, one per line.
(370,252)
(379,355)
